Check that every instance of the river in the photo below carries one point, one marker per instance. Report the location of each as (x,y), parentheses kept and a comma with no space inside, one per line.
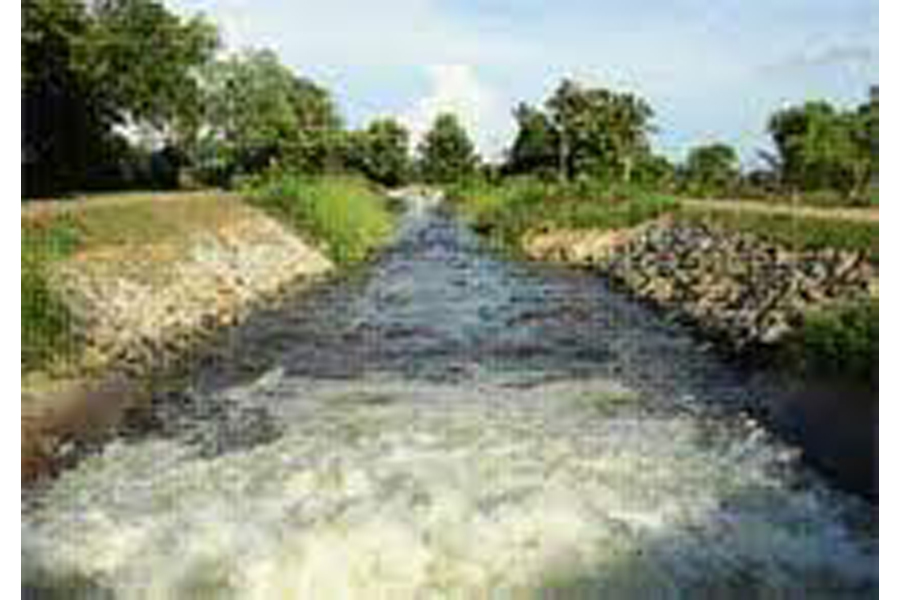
(450,423)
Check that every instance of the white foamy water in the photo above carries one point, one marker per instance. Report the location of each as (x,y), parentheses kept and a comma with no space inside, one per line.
(387,489)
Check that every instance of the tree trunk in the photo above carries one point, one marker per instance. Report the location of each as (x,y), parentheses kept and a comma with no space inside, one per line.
(563,156)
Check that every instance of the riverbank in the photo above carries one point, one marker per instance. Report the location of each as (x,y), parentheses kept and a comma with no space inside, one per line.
(794,296)
(118,294)
(451,421)
(753,281)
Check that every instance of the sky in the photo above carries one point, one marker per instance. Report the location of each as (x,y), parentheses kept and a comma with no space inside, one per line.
(713,70)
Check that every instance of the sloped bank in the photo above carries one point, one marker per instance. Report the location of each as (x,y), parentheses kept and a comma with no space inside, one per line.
(737,287)
(806,308)
(150,281)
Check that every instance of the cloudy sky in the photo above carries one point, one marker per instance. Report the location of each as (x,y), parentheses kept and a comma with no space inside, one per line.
(712,69)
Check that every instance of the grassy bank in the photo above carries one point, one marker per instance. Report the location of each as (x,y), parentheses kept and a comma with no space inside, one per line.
(838,342)
(345,215)
(793,231)
(46,322)
(141,234)
(131,224)
(509,211)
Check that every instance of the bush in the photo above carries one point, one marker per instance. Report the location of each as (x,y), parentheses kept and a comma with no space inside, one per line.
(839,342)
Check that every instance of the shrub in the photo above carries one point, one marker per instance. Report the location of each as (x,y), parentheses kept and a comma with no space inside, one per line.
(839,342)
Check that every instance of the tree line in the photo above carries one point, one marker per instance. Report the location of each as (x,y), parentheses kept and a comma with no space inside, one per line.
(601,134)
(124,93)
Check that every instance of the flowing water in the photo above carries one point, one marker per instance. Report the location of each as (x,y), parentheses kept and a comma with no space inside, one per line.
(450,424)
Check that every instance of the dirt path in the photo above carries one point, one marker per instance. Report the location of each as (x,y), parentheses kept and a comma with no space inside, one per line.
(844,214)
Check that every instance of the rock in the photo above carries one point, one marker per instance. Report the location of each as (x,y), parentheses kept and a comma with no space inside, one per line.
(135,311)
(733,285)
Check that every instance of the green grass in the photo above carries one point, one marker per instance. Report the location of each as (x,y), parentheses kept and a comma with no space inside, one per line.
(795,232)
(135,223)
(145,220)
(838,342)
(510,210)
(344,214)
(46,322)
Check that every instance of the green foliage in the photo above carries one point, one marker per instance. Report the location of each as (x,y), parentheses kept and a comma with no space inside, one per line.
(793,231)
(447,155)
(711,169)
(47,333)
(381,152)
(523,205)
(140,58)
(344,214)
(655,172)
(839,342)
(89,67)
(535,149)
(584,132)
(259,114)
(822,147)
(601,132)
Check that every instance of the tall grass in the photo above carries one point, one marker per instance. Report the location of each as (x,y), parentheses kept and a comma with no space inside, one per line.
(47,332)
(343,214)
(510,210)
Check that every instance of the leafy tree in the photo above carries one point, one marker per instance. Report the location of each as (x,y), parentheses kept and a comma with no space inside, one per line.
(381,152)
(866,134)
(535,149)
(259,114)
(711,169)
(601,132)
(88,68)
(447,154)
(654,171)
(63,128)
(143,60)
(822,147)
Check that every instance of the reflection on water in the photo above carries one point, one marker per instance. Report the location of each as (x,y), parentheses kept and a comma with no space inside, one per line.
(450,425)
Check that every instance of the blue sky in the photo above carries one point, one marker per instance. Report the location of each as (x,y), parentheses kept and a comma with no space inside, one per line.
(712,70)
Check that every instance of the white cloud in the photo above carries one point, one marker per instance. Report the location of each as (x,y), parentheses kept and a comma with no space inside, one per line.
(457,89)
(340,32)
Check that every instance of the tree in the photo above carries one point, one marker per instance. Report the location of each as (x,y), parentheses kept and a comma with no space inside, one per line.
(381,152)
(866,135)
(535,149)
(447,154)
(143,61)
(601,132)
(259,114)
(63,128)
(89,68)
(654,171)
(711,169)
(821,147)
